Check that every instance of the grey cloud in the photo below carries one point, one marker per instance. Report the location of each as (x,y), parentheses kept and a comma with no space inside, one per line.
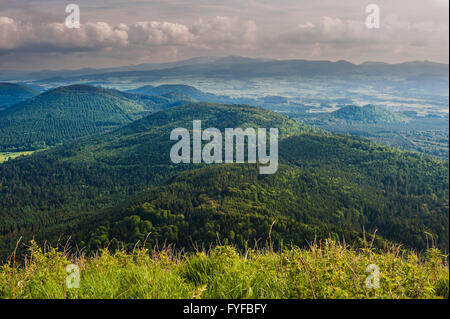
(159,33)
(218,31)
(23,35)
(157,30)
(223,31)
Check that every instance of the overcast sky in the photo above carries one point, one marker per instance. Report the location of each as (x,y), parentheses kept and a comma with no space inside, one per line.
(33,34)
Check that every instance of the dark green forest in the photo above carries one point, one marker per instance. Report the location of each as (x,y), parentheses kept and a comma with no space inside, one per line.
(121,186)
(12,93)
(70,112)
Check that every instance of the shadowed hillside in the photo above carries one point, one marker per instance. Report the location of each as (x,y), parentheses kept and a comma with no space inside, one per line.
(12,93)
(70,112)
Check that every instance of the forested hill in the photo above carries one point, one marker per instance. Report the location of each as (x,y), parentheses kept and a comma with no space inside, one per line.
(326,184)
(12,93)
(187,90)
(178,88)
(358,115)
(368,114)
(69,112)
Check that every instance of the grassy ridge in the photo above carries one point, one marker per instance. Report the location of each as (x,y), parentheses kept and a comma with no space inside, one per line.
(326,270)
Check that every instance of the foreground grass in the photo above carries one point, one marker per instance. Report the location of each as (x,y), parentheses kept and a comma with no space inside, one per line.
(325,270)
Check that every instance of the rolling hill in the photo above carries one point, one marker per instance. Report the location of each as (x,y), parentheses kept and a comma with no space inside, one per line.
(121,184)
(405,130)
(177,88)
(368,114)
(197,94)
(12,93)
(70,112)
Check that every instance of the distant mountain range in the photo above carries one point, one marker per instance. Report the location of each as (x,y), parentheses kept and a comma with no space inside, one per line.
(43,74)
(242,67)
(255,68)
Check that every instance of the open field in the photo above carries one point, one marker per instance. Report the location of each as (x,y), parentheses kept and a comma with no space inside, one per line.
(5,156)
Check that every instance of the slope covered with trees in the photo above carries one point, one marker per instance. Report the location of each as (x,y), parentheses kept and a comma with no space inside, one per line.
(368,114)
(168,88)
(70,112)
(12,93)
(122,185)
(192,92)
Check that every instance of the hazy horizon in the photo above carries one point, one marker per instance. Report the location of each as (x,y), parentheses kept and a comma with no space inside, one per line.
(33,35)
(215,57)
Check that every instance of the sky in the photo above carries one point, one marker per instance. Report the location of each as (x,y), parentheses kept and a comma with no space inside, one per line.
(33,34)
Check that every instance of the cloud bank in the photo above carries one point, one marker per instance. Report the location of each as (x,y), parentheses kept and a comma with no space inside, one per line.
(114,34)
(220,31)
